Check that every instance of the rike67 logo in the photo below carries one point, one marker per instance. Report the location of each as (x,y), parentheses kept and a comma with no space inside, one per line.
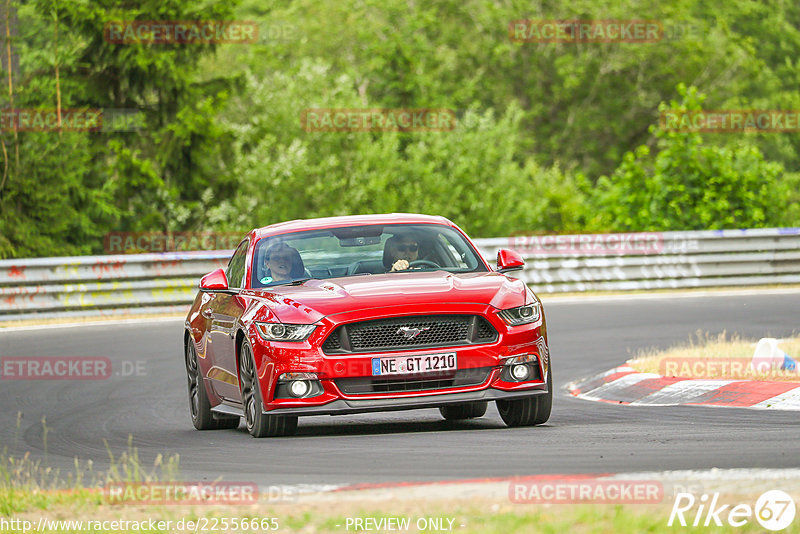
(774,510)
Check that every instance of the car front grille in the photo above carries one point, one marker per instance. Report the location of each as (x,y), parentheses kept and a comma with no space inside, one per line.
(368,385)
(414,332)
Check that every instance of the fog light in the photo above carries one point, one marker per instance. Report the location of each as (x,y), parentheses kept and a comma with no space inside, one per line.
(298,388)
(520,372)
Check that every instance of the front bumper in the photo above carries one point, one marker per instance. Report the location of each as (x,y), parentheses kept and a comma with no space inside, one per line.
(276,358)
(352,406)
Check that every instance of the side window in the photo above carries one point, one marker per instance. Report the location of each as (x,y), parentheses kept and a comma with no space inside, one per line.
(455,258)
(236,267)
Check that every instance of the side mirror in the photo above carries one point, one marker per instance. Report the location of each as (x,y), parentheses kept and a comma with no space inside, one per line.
(214,281)
(508,260)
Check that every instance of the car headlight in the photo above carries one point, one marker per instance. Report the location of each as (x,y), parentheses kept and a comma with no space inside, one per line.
(521,315)
(284,332)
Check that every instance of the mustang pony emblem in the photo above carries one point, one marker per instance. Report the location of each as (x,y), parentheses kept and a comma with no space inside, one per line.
(410,333)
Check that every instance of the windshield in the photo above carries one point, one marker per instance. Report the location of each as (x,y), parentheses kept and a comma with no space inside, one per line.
(360,250)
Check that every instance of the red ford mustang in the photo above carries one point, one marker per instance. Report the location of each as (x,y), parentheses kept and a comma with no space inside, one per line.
(367,313)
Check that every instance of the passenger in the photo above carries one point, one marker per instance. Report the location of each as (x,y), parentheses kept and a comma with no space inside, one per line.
(399,251)
(282,263)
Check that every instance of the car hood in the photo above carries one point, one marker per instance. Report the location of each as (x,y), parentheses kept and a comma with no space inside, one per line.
(316,299)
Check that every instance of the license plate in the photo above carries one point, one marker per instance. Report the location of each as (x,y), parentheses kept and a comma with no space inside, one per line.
(404,365)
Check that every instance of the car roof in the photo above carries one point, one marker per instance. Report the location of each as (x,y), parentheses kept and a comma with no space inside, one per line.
(349,220)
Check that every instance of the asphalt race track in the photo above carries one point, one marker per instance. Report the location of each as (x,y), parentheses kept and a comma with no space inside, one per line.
(586,337)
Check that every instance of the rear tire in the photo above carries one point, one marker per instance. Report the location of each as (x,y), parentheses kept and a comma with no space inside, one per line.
(199,405)
(529,410)
(467,410)
(259,424)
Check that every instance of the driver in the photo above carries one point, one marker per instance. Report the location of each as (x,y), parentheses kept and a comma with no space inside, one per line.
(400,251)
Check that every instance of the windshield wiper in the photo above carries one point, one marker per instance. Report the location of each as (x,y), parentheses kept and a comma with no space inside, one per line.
(298,282)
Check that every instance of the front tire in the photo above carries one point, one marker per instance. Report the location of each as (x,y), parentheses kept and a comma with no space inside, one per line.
(199,405)
(467,410)
(529,410)
(259,424)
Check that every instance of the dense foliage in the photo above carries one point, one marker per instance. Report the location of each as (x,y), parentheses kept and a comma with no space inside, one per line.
(551,137)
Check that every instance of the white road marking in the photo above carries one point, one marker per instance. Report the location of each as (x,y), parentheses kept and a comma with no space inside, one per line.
(621,383)
(682,392)
(788,400)
(115,322)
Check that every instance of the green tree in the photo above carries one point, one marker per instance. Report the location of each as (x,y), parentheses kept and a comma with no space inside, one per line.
(475,174)
(686,185)
(584,105)
(72,188)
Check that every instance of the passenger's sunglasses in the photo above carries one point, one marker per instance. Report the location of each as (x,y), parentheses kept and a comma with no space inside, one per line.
(280,258)
(407,248)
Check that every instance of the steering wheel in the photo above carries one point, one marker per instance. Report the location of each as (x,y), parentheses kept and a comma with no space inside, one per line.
(420,263)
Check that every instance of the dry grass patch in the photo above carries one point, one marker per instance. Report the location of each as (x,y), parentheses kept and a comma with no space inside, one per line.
(715,357)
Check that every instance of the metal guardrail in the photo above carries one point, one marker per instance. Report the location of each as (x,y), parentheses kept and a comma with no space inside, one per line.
(656,260)
(103,285)
(167,282)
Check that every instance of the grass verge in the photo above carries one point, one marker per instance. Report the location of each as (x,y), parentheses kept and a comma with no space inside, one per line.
(476,515)
(715,357)
(35,498)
